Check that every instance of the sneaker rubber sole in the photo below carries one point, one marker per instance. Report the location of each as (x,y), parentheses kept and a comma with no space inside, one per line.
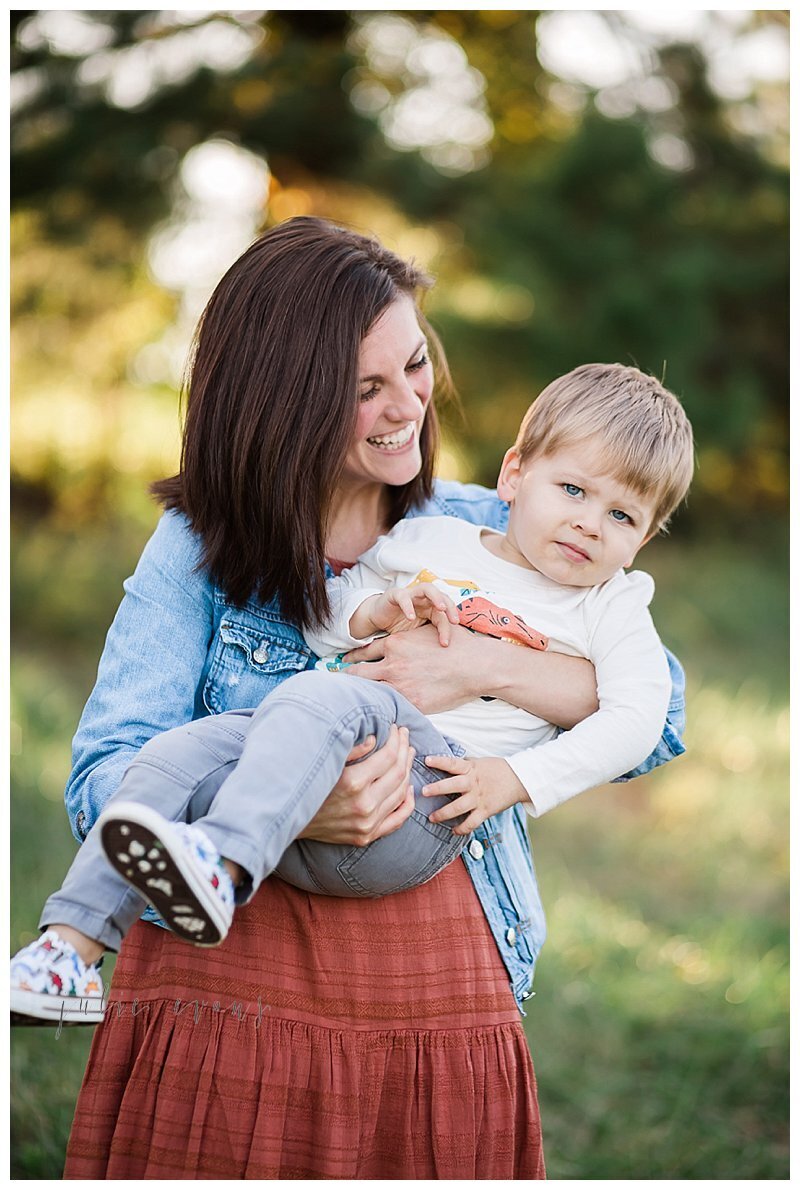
(142,847)
(44,1008)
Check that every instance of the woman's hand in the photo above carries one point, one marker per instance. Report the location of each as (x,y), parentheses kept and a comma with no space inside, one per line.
(372,798)
(559,688)
(433,678)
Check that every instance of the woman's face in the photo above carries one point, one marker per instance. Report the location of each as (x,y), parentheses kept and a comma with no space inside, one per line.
(394,388)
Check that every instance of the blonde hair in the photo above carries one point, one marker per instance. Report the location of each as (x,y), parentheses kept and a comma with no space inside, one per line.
(642,429)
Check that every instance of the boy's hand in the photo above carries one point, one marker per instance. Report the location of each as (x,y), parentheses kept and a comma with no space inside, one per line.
(487,786)
(401,608)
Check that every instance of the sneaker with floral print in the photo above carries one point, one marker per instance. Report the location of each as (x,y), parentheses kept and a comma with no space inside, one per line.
(174,866)
(50,982)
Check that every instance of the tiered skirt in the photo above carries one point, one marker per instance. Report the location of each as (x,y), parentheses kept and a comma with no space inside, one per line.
(326,1038)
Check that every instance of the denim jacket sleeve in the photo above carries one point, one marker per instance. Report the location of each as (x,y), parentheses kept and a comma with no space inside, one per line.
(480,506)
(151,670)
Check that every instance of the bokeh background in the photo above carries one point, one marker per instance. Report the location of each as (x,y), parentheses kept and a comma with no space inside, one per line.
(585,186)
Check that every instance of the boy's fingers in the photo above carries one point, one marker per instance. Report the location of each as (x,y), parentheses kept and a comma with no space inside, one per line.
(448,764)
(455,809)
(406,605)
(427,593)
(442,625)
(448,786)
(469,824)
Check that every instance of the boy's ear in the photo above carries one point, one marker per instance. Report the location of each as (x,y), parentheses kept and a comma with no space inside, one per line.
(509,477)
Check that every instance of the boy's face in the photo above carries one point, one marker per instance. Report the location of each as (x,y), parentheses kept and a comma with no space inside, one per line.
(569,519)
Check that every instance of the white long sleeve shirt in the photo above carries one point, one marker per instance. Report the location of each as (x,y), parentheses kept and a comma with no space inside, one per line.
(609,624)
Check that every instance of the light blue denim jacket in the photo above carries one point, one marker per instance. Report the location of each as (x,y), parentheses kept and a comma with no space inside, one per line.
(178,650)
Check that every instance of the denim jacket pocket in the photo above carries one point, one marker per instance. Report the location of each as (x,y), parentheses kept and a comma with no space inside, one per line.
(250,659)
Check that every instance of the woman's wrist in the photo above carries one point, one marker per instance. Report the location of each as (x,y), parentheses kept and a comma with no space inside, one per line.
(555,686)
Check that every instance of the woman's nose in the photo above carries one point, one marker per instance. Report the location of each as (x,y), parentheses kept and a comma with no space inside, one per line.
(405,403)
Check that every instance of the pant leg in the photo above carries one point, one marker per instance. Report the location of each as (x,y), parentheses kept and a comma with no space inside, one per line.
(411,855)
(297,744)
(177,773)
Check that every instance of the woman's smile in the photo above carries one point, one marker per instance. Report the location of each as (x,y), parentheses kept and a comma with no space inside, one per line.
(395,440)
(395,388)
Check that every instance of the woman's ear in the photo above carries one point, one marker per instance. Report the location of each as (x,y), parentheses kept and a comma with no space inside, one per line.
(508,479)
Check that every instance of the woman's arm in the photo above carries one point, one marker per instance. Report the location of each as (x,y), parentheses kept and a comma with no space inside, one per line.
(556,687)
(151,678)
(150,670)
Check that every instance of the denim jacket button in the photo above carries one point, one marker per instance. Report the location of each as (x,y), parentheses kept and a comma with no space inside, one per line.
(260,655)
(476,849)
(511,936)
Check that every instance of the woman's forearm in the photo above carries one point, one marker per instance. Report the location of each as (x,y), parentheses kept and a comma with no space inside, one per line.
(554,686)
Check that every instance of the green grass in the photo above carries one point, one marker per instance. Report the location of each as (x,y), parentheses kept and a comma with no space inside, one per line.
(660,1026)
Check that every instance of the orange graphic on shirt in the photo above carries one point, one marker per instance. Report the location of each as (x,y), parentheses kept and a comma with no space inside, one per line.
(481,615)
(427,576)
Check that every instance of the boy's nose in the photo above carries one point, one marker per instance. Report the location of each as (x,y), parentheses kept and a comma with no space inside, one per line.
(587,523)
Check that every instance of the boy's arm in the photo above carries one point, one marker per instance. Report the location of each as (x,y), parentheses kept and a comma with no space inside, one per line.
(633,685)
(347,593)
(554,686)
(670,743)
(634,689)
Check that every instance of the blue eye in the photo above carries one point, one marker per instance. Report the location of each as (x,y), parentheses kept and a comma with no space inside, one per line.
(572,489)
(620,516)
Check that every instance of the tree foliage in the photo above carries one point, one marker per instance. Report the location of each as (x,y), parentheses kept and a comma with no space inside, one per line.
(566,239)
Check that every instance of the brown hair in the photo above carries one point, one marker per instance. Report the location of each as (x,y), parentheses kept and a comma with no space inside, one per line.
(642,429)
(272,407)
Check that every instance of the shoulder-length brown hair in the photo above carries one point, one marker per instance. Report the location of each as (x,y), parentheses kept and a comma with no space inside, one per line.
(272,405)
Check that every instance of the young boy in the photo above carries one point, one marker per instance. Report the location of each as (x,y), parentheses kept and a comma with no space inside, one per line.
(602,459)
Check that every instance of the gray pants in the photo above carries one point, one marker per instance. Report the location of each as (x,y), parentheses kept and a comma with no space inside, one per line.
(253,779)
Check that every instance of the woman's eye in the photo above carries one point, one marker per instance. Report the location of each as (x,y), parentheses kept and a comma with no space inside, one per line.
(419,363)
(620,516)
(572,489)
(370,394)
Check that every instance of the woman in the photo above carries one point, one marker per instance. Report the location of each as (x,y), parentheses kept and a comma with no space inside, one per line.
(325,1038)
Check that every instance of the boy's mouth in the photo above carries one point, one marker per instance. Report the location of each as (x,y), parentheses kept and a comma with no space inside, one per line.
(573,553)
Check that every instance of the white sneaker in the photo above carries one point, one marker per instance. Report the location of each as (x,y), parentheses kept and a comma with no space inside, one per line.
(174,866)
(50,982)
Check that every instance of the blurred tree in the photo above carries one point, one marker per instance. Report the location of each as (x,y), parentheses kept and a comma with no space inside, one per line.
(559,234)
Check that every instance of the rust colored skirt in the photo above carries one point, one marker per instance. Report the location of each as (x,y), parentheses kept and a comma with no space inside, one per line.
(326,1038)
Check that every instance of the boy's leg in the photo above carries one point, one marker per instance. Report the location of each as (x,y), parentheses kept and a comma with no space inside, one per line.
(414,853)
(296,747)
(176,773)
